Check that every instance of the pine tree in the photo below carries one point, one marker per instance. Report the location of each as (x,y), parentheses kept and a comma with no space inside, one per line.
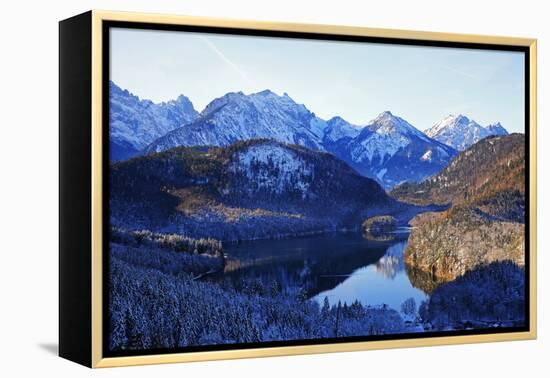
(325,310)
(337,325)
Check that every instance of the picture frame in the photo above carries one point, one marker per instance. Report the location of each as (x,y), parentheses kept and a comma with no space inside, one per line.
(84,118)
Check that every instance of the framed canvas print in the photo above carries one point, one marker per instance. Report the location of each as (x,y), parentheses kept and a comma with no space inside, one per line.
(237,189)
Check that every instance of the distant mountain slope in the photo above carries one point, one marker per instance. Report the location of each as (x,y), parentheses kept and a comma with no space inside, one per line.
(252,189)
(460,132)
(236,116)
(337,129)
(389,149)
(393,151)
(496,129)
(134,123)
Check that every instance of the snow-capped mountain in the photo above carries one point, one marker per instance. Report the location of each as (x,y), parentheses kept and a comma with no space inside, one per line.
(391,150)
(460,132)
(388,149)
(135,123)
(496,129)
(236,116)
(338,128)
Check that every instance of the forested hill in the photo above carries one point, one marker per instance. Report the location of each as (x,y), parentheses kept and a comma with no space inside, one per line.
(251,189)
(492,167)
(486,186)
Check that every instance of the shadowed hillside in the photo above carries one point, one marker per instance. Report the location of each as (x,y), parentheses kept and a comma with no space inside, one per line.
(249,190)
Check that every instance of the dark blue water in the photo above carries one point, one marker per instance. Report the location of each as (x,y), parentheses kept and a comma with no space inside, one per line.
(341,266)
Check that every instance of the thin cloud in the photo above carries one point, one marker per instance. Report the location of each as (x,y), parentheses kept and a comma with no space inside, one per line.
(227,61)
(462,73)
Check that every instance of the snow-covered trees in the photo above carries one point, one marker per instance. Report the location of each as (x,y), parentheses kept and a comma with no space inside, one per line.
(489,296)
(166,261)
(408,307)
(154,305)
(173,242)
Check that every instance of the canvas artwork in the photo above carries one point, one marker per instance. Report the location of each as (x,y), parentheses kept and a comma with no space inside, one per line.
(267,190)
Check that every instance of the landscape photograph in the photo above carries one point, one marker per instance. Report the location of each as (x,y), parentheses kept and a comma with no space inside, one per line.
(280,191)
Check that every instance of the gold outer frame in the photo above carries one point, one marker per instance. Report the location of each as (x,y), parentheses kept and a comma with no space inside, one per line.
(97,145)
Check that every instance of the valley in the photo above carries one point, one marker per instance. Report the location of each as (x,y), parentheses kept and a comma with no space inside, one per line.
(278,225)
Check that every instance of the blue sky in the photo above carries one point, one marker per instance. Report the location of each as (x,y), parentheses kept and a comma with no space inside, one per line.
(356,81)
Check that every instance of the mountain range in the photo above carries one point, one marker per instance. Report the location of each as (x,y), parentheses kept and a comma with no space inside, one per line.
(387,149)
(135,123)
(236,116)
(392,151)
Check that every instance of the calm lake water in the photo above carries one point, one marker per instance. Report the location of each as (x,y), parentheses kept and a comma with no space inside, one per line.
(340,266)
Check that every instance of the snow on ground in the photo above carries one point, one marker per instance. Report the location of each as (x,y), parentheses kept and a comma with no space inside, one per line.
(427,156)
(274,167)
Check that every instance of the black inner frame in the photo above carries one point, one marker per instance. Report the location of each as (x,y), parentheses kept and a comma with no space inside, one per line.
(107,25)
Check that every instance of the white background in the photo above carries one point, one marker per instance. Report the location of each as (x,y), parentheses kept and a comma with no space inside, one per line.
(29,186)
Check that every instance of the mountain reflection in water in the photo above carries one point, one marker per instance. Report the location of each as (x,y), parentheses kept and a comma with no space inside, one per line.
(340,266)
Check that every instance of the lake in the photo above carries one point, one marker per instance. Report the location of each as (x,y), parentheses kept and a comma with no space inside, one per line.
(340,266)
